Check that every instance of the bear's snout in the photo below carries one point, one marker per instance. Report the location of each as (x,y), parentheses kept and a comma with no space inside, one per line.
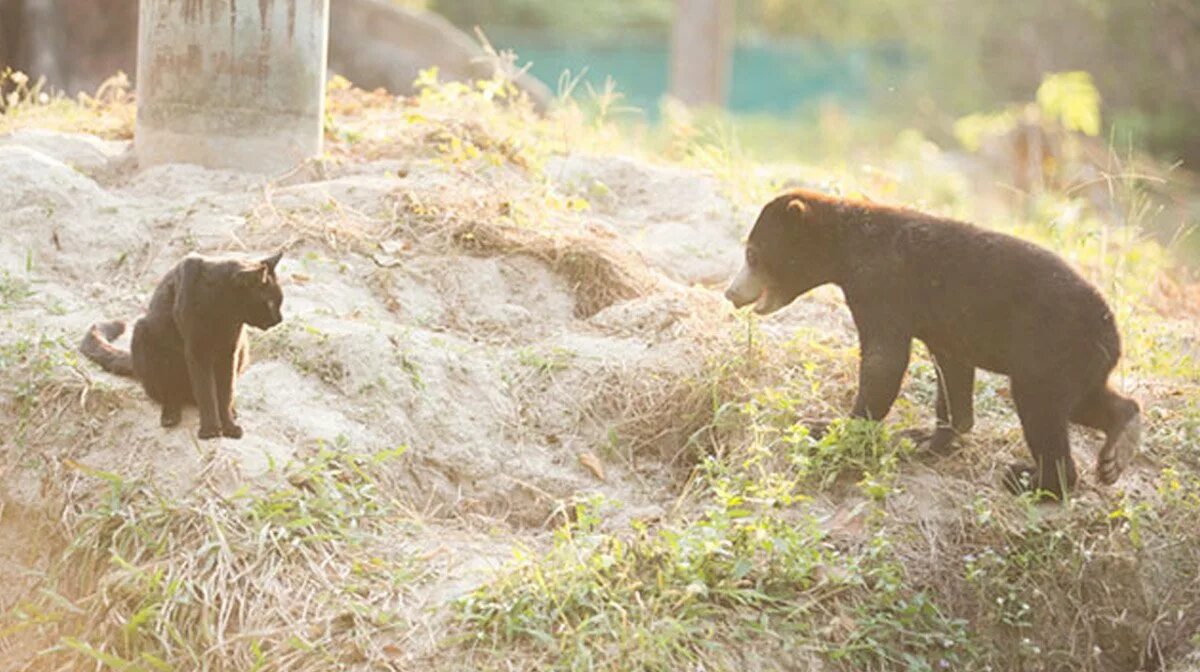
(731,297)
(745,288)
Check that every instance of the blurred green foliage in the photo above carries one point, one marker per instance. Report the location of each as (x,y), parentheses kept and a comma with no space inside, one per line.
(967,55)
(1071,99)
(1066,98)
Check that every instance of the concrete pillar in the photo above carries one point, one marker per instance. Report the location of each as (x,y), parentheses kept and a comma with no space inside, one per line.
(231,83)
(702,51)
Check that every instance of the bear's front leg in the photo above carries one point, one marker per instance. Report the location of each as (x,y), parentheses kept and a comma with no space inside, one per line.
(884,360)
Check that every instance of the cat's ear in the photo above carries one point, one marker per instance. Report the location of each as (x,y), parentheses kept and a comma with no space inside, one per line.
(272,261)
(252,277)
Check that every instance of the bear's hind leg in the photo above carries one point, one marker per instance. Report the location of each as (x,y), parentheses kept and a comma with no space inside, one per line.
(1044,419)
(1119,417)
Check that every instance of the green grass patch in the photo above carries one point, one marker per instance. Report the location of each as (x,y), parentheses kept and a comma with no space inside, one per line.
(753,569)
(848,449)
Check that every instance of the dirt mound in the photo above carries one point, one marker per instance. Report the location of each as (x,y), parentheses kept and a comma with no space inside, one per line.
(677,219)
(85,153)
(425,348)
(522,366)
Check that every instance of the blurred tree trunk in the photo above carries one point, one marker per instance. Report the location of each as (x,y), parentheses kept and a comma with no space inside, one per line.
(11,23)
(702,51)
(45,36)
(74,44)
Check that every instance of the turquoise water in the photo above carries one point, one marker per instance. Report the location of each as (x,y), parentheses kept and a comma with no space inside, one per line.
(765,79)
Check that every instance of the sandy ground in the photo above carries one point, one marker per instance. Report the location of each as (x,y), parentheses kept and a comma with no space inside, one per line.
(481,365)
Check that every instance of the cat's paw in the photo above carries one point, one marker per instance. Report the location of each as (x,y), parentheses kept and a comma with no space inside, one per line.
(171,416)
(207,433)
(232,431)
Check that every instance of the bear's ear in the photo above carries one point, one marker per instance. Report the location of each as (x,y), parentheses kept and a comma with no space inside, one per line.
(797,206)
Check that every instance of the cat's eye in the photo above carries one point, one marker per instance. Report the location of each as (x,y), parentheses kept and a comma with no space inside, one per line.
(751,257)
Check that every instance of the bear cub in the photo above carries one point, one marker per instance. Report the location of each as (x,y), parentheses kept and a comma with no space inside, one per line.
(190,346)
(976,298)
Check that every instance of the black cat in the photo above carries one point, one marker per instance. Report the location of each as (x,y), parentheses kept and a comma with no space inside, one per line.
(189,347)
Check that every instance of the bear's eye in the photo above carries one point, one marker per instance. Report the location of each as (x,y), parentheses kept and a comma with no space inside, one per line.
(751,257)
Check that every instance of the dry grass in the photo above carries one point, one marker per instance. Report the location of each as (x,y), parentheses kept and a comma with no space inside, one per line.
(599,268)
(109,113)
(307,575)
(51,404)
(1105,583)
(601,272)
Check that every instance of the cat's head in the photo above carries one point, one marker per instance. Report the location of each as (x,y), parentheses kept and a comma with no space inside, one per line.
(260,298)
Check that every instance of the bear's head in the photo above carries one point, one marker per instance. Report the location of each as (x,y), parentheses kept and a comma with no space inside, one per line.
(792,248)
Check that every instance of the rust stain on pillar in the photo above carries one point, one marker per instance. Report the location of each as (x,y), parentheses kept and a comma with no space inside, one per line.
(217,85)
(191,9)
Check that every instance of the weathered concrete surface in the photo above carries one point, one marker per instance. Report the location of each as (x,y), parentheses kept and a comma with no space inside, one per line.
(231,83)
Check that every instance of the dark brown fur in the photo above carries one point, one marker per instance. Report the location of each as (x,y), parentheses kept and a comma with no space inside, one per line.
(190,346)
(976,298)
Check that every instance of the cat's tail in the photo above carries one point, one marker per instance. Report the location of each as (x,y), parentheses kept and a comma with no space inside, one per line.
(97,346)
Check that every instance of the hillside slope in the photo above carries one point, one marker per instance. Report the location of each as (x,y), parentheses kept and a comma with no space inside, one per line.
(509,417)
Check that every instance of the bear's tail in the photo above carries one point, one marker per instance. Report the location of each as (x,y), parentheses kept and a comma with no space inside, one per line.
(97,346)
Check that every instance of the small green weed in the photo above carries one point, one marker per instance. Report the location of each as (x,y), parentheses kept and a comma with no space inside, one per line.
(890,626)
(858,448)
(546,361)
(32,372)
(13,290)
